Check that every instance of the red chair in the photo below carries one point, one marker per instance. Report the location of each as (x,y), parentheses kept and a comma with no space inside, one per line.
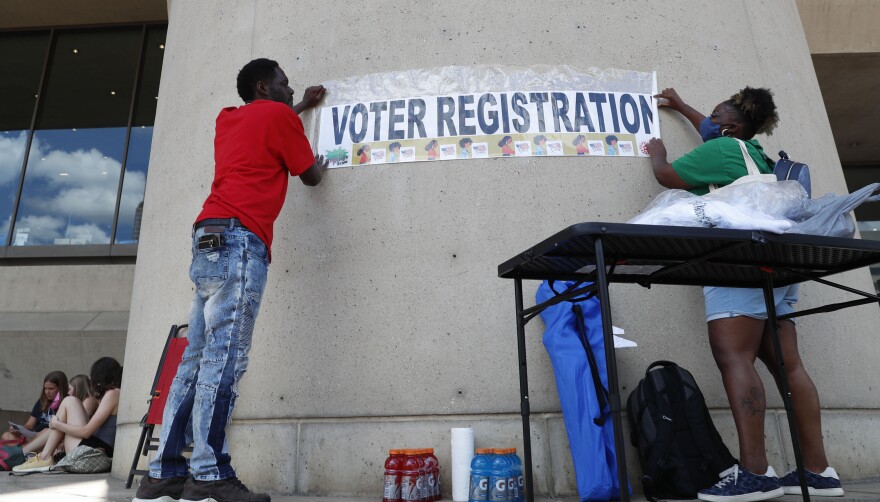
(172,354)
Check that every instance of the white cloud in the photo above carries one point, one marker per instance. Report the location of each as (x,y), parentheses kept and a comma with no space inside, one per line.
(11,156)
(40,229)
(79,186)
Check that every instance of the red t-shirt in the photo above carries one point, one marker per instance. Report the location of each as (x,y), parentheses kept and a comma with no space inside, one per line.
(256,147)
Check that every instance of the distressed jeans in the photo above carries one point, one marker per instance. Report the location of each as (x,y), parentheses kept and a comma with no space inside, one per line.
(229,282)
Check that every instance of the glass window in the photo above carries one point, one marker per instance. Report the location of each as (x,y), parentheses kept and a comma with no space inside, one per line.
(22,55)
(72,175)
(134,183)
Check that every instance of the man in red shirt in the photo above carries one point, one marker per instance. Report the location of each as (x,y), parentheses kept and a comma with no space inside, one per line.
(257,147)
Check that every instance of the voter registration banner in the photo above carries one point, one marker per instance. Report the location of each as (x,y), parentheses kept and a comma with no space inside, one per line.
(483,125)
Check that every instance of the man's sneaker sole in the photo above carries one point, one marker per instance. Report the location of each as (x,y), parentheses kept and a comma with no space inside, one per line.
(164,498)
(819,492)
(746,497)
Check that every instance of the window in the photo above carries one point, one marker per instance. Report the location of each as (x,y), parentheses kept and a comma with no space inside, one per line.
(74,155)
(23,55)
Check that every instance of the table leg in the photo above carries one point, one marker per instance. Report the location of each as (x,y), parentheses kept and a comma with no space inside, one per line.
(611,365)
(770,303)
(524,393)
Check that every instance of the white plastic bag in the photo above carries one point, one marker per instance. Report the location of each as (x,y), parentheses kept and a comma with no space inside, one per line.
(746,206)
(779,207)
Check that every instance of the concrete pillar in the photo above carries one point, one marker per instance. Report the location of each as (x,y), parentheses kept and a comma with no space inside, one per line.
(383,323)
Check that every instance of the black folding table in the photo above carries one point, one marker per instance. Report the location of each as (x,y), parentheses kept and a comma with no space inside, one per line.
(602,253)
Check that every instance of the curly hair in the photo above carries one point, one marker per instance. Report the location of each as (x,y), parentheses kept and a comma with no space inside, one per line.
(258,70)
(756,108)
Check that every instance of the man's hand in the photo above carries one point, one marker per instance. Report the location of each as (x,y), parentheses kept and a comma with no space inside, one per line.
(311,98)
(312,176)
(321,161)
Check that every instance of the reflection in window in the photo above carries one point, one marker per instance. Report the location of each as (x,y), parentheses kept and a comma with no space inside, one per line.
(134,183)
(75,161)
(22,55)
(69,193)
(131,204)
(12,145)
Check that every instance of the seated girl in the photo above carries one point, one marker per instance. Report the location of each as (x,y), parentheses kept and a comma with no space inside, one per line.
(71,427)
(81,388)
(54,388)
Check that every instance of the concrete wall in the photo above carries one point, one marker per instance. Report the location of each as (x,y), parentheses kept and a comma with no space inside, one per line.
(58,318)
(383,323)
(841,26)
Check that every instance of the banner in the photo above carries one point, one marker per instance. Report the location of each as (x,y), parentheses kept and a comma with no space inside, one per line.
(479,125)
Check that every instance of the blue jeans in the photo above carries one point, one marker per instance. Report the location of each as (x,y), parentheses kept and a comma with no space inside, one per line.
(229,282)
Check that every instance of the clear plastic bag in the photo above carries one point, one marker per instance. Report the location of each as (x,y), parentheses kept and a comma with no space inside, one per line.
(778,207)
(831,215)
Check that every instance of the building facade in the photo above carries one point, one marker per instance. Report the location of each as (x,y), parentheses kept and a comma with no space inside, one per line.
(383,324)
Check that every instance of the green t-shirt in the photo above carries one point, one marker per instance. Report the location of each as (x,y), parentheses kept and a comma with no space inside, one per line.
(719,162)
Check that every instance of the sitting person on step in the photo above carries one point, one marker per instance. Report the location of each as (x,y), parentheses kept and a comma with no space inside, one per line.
(71,427)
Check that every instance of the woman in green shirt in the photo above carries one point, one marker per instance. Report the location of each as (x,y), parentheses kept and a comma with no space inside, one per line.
(737,317)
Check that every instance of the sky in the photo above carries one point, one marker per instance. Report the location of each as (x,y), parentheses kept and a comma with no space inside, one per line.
(71,184)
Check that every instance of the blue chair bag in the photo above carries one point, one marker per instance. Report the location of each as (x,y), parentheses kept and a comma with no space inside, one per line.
(577,352)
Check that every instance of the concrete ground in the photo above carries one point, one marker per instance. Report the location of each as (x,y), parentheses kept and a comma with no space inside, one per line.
(103,488)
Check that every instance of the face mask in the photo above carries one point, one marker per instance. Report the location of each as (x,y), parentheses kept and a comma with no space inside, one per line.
(55,402)
(709,130)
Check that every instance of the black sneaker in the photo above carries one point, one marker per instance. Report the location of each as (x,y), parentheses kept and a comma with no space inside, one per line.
(223,490)
(159,490)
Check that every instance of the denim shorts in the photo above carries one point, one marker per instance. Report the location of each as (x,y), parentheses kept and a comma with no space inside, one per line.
(722,303)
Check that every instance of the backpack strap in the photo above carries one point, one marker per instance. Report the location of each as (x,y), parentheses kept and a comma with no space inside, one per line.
(665,426)
(601,391)
(700,427)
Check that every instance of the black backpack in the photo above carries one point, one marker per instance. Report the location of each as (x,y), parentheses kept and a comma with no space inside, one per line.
(679,448)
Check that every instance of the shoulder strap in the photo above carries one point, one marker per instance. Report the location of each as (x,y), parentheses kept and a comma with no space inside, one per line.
(665,427)
(601,391)
(750,162)
(700,424)
(751,167)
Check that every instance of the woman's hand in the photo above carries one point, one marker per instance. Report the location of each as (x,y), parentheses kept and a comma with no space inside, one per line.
(674,102)
(672,99)
(656,148)
(55,422)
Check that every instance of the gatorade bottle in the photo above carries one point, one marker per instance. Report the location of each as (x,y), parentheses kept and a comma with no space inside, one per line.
(517,468)
(424,490)
(409,478)
(479,491)
(512,483)
(432,465)
(393,469)
(498,466)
